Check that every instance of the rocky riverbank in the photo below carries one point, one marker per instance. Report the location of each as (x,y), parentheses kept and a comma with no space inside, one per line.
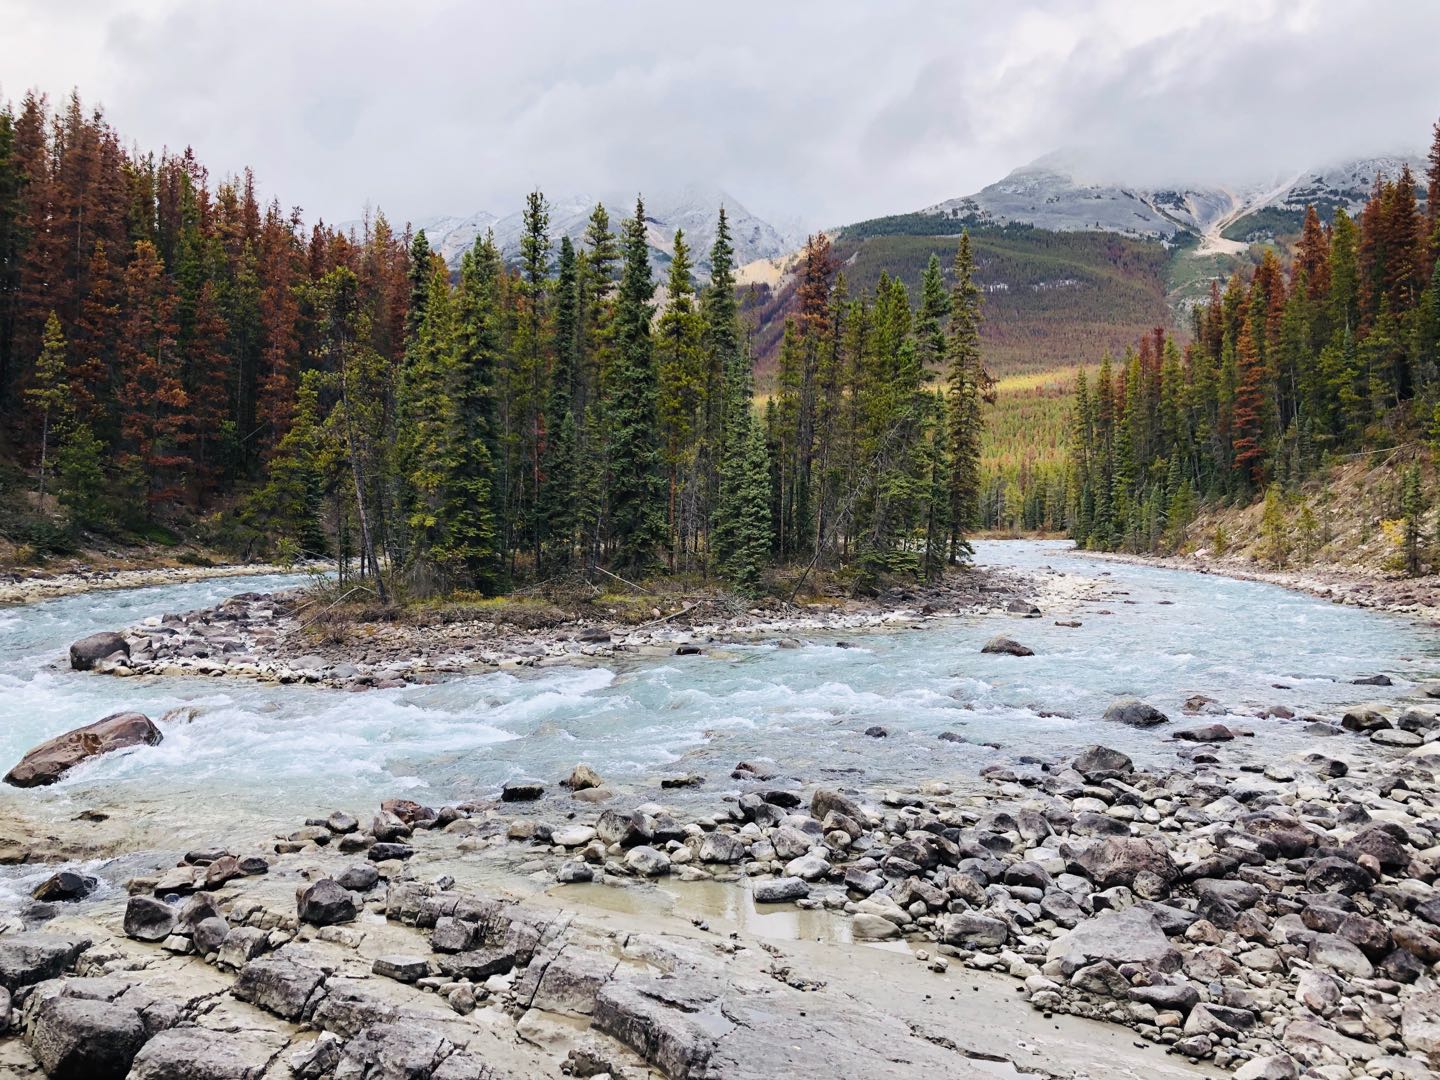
(283,638)
(27,586)
(1275,918)
(1417,597)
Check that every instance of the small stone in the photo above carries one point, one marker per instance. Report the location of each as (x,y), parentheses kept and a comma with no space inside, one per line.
(1004,646)
(574,872)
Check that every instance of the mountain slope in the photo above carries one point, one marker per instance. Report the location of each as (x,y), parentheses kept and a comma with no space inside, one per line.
(1051,299)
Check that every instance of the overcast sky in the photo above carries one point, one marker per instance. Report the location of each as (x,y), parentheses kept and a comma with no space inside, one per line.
(826,112)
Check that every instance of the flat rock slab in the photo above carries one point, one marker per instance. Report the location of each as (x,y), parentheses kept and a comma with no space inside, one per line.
(189,1053)
(405,969)
(32,958)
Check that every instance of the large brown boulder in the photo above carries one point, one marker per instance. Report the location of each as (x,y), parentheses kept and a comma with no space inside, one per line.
(50,760)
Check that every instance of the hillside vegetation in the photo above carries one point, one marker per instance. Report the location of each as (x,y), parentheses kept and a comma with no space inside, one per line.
(1050,299)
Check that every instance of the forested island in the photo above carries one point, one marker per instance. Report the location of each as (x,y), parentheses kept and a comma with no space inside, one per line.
(174,348)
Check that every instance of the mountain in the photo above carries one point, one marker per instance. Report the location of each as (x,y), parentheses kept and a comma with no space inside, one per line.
(693,209)
(1052,193)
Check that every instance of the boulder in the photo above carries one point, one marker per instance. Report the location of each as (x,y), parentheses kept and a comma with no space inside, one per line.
(63,886)
(148,919)
(1115,860)
(1131,936)
(971,930)
(190,1053)
(1270,1067)
(76,1038)
(1420,1023)
(360,878)
(50,760)
(522,791)
(583,777)
(326,903)
(647,861)
(88,651)
(1134,713)
(1210,733)
(780,890)
(209,934)
(824,801)
(1004,646)
(719,847)
(1101,763)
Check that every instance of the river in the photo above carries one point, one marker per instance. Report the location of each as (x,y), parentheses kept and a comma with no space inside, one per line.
(267,755)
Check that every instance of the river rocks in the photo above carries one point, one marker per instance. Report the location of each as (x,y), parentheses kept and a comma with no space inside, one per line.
(64,886)
(1005,646)
(76,1038)
(825,801)
(1396,737)
(583,777)
(88,651)
(1116,861)
(780,890)
(975,931)
(49,761)
(1131,936)
(326,903)
(1269,1067)
(719,847)
(1134,713)
(1210,733)
(1097,763)
(148,919)
(647,861)
(522,791)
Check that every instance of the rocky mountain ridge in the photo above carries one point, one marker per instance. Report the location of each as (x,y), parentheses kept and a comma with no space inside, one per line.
(1052,193)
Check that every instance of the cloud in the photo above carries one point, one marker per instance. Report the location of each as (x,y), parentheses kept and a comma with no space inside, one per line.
(828,112)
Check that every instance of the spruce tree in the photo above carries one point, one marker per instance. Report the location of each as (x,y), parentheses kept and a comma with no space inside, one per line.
(472,539)
(967,383)
(742,535)
(558,497)
(637,497)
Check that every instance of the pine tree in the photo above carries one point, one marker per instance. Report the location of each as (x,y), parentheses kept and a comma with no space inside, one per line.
(49,394)
(637,496)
